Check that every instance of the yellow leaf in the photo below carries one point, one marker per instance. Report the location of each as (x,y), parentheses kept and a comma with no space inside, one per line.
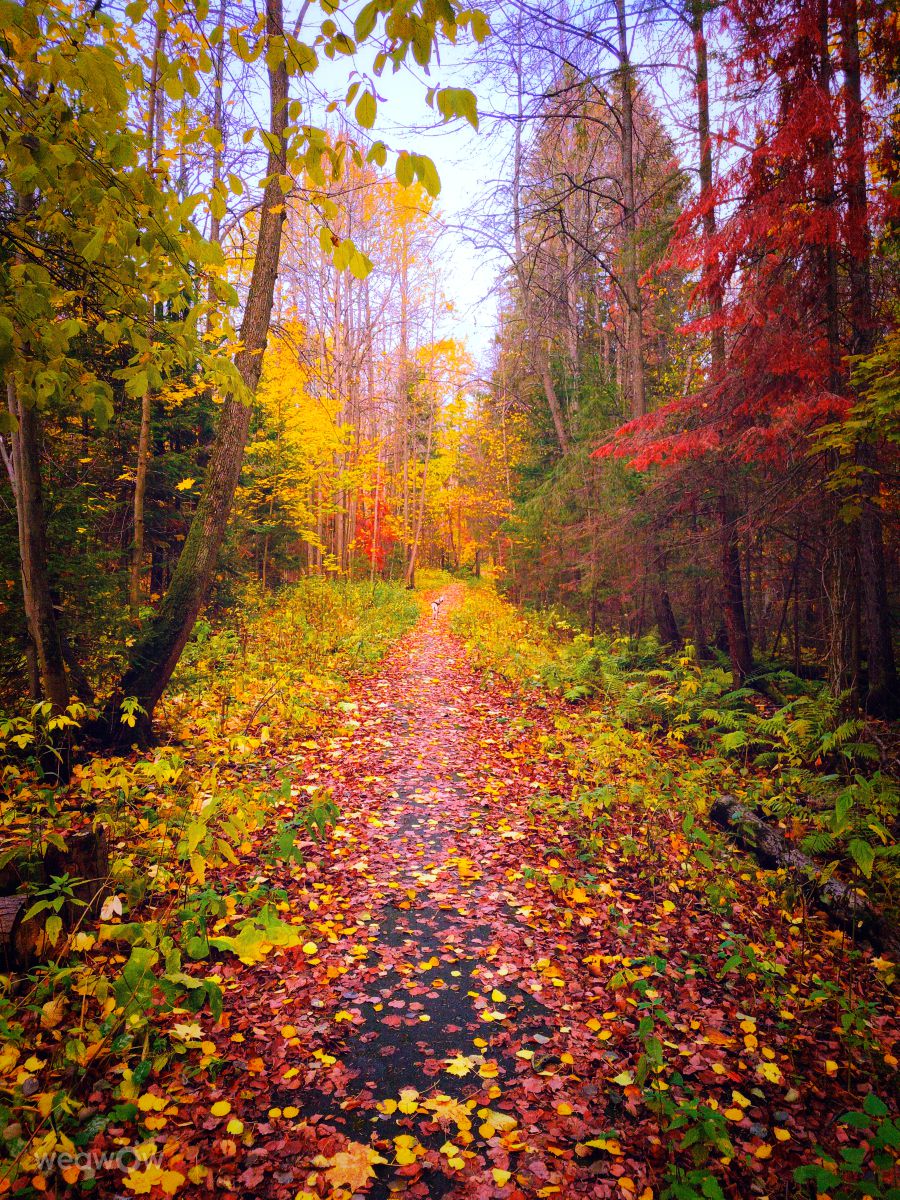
(310,948)
(288,1031)
(185,485)
(171,1181)
(460,1065)
(143,1182)
(351,1168)
(770,1071)
(235,1127)
(501,1178)
(221,1108)
(9,1056)
(290,1111)
(763,1151)
(52,1012)
(198,866)
(782,1135)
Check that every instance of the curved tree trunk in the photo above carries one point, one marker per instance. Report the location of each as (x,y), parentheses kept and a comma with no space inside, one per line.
(157,651)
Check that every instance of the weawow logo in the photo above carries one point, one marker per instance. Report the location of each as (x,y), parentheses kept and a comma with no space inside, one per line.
(92,1161)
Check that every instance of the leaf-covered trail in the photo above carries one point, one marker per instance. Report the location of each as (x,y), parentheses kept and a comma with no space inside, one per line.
(456,1023)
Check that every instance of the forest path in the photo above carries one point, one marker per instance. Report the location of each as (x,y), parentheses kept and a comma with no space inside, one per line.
(442,1023)
(463,1020)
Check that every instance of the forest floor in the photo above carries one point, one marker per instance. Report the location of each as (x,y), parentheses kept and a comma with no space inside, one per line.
(478,1012)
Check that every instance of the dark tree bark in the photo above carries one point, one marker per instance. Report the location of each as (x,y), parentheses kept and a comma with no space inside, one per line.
(43,630)
(156,653)
(155,116)
(630,265)
(663,614)
(740,649)
(883,694)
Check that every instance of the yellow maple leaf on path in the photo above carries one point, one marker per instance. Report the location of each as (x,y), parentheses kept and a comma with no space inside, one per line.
(350,1168)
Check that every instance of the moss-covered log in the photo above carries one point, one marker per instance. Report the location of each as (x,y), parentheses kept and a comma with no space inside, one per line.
(846,906)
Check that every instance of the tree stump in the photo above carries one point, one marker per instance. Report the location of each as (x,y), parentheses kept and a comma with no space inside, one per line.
(22,942)
(86,861)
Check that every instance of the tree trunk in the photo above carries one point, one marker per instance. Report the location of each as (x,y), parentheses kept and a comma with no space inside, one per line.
(739,646)
(154,145)
(883,693)
(539,359)
(420,515)
(157,651)
(630,266)
(739,649)
(559,424)
(40,616)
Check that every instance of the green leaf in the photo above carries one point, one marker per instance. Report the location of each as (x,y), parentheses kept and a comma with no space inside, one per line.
(458,102)
(94,246)
(173,87)
(137,385)
(875,1106)
(479,25)
(733,740)
(366,20)
(427,174)
(360,265)
(7,342)
(343,253)
(404,169)
(377,154)
(134,987)
(366,110)
(863,855)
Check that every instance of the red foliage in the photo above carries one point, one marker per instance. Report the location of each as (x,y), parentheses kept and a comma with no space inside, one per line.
(783,233)
(374,537)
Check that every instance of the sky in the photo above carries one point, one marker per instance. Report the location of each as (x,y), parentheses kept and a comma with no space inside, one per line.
(467,161)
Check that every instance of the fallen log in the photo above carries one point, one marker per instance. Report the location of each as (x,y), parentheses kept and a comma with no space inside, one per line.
(844,904)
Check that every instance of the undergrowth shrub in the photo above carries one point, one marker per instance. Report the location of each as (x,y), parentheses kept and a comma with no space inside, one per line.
(112,997)
(808,761)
